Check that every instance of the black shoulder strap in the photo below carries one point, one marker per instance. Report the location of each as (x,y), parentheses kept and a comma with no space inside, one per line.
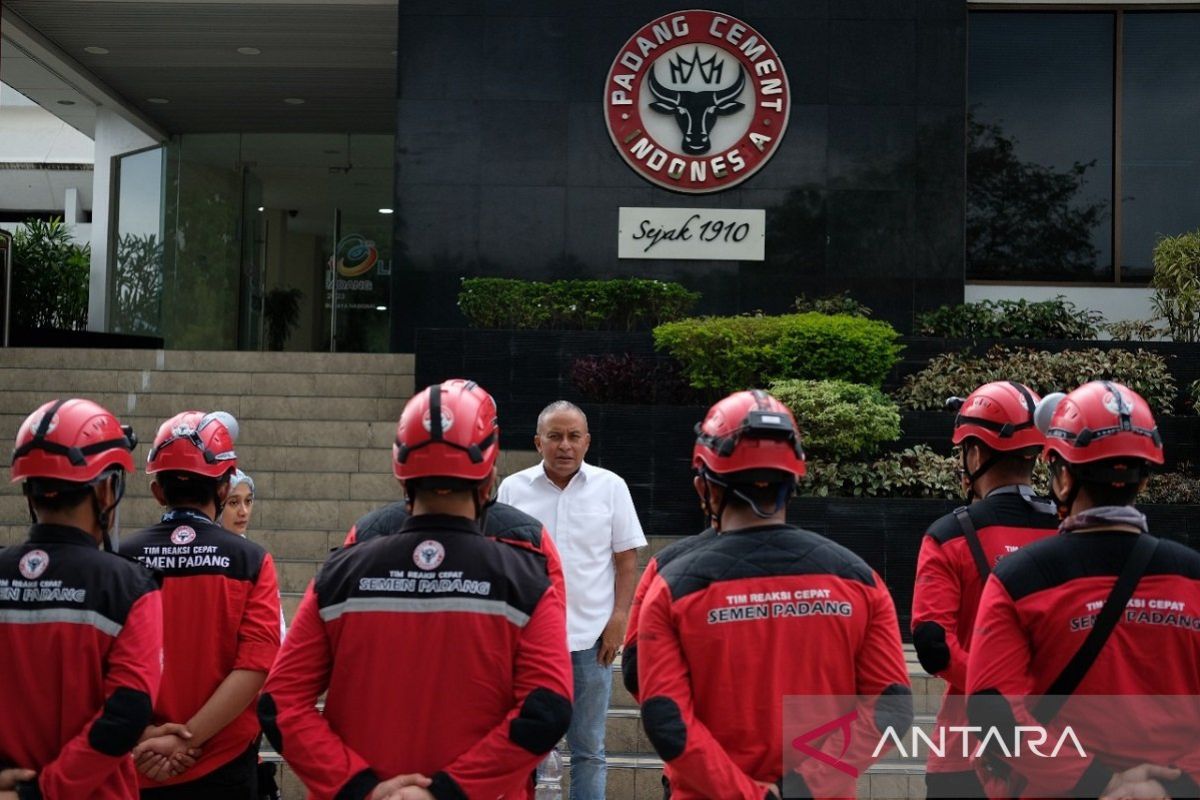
(1114,607)
(972,536)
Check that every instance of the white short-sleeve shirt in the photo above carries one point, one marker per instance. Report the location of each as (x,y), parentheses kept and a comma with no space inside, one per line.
(589,520)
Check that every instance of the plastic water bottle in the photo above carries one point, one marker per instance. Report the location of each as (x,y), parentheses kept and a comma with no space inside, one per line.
(549,778)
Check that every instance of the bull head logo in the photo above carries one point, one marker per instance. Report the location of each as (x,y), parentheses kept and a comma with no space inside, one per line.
(696,112)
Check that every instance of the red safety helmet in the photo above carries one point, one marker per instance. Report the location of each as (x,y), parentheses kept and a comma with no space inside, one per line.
(999,414)
(71,440)
(447,430)
(748,431)
(1103,421)
(194,442)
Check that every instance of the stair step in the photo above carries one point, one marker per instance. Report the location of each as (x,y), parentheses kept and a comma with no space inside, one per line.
(207,361)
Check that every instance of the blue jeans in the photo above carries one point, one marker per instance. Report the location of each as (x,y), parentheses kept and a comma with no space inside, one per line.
(585,737)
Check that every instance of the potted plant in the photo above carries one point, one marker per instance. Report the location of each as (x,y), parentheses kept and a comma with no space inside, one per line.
(281,310)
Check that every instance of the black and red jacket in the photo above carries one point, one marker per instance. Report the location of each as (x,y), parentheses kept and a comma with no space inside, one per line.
(220,614)
(1036,611)
(80,650)
(629,668)
(737,623)
(946,596)
(502,521)
(442,651)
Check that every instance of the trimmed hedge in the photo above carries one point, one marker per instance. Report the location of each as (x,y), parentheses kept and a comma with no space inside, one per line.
(957,374)
(1012,319)
(914,472)
(840,420)
(623,304)
(732,353)
(842,303)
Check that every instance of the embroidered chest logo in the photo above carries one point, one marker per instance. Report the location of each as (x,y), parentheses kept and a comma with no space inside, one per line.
(34,563)
(184,534)
(429,554)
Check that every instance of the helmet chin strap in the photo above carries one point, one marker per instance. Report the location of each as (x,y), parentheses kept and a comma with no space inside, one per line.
(109,517)
(714,517)
(1063,504)
(785,491)
(781,498)
(972,477)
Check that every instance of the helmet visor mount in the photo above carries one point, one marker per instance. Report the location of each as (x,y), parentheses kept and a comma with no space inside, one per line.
(758,424)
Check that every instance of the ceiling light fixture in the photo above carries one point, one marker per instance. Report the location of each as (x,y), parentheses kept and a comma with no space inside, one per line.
(260,208)
(66,102)
(294,101)
(96,51)
(381,308)
(158,101)
(385,211)
(249,51)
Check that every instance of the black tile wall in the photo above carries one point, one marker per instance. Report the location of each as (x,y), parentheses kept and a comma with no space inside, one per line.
(504,165)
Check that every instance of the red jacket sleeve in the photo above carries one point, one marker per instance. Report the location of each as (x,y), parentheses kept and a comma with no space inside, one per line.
(542,690)
(701,764)
(880,666)
(289,716)
(134,671)
(937,601)
(999,683)
(629,656)
(258,635)
(554,569)
(548,550)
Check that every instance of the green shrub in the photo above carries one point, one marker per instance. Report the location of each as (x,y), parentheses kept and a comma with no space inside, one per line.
(1172,487)
(731,353)
(831,304)
(956,374)
(1176,285)
(913,472)
(50,277)
(1134,330)
(840,420)
(622,305)
(1012,319)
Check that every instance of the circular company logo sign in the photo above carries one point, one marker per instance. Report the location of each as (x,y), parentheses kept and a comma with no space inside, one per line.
(33,564)
(697,101)
(355,256)
(184,534)
(429,554)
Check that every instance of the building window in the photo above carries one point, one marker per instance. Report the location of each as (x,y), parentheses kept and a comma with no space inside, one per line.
(1160,148)
(1081,146)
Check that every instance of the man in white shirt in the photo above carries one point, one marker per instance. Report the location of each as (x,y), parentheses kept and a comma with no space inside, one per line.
(590,516)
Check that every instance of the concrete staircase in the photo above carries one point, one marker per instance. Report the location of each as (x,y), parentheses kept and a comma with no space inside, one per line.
(316,432)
